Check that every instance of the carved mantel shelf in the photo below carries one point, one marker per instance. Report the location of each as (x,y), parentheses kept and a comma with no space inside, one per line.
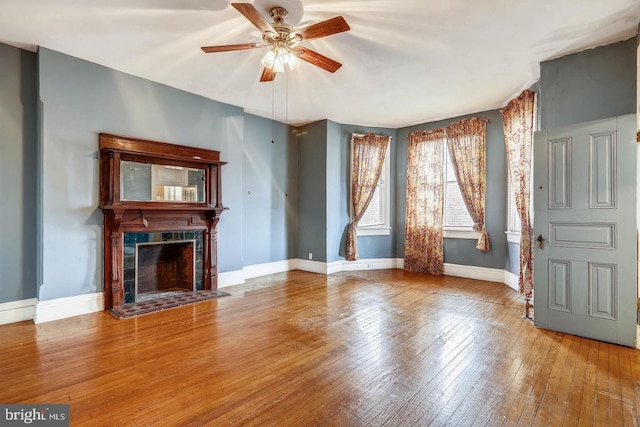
(131,206)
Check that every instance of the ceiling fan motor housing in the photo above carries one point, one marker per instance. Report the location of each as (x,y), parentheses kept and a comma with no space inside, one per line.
(283,30)
(278,14)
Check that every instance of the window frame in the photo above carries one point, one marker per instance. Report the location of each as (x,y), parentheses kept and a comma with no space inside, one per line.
(385,228)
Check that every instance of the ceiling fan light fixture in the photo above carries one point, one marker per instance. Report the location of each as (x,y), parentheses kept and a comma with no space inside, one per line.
(294,62)
(268,59)
(278,57)
(278,67)
(283,56)
(282,41)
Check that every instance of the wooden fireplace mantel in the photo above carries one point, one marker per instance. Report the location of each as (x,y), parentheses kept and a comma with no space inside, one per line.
(124,216)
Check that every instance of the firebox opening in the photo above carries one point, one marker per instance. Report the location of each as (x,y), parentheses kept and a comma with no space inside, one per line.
(164,268)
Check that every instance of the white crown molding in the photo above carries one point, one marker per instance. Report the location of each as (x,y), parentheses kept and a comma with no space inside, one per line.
(62,308)
(17,311)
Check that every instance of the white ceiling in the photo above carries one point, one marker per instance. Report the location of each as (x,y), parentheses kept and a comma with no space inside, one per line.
(404,61)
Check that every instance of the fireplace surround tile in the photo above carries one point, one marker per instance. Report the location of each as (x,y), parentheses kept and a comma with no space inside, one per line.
(129,250)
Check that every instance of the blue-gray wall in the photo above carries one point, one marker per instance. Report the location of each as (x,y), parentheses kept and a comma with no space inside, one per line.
(18,162)
(336,187)
(590,85)
(312,190)
(323,214)
(463,251)
(512,265)
(270,181)
(299,184)
(81,99)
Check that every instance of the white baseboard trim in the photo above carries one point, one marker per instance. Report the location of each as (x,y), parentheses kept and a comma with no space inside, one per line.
(473,272)
(511,280)
(370,264)
(258,270)
(458,270)
(18,311)
(314,266)
(230,278)
(62,308)
(46,311)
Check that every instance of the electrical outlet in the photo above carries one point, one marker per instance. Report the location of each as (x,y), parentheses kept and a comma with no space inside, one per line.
(310,255)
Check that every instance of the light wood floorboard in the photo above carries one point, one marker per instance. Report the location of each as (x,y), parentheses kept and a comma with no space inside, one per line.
(374,348)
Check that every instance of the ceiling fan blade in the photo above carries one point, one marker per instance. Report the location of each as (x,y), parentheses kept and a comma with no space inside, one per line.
(323,29)
(267,75)
(252,14)
(319,60)
(230,47)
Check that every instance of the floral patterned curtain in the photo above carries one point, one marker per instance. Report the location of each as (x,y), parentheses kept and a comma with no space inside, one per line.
(367,160)
(518,117)
(466,142)
(423,244)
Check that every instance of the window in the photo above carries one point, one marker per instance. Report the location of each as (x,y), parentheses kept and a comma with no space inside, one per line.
(513,219)
(514,225)
(375,221)
(457,222)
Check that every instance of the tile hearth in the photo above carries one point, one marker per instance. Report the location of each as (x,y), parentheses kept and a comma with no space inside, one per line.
(163,303)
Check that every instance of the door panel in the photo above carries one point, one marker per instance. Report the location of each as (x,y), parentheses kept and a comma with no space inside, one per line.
(602,191)
(574,235)
(560,174)
(585,208)
(559,289)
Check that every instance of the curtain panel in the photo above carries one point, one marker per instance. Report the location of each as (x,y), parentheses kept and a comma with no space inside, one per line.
(423,244)
(518,118)
(368,154)
(466,140)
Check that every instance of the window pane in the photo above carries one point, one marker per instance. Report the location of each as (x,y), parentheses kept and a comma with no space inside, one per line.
(450,173)
(375,212)
(455,211)
(514,218)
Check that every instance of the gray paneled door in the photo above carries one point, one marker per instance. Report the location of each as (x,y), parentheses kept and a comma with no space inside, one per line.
(585,210)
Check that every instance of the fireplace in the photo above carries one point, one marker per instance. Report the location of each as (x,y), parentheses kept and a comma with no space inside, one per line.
(161,204)
(164,268)
(162,263)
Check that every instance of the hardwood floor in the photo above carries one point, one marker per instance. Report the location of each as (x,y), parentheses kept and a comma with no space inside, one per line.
(299,349)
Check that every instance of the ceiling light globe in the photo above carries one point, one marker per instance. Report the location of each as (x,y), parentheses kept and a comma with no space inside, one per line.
(278,67)
(283,57)
(268,59)
(294,62)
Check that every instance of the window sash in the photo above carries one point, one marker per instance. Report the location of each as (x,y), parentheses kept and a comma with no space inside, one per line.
(456,216)
(514,224)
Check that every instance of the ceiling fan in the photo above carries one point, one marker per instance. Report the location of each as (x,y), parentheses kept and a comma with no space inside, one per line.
(284,41)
